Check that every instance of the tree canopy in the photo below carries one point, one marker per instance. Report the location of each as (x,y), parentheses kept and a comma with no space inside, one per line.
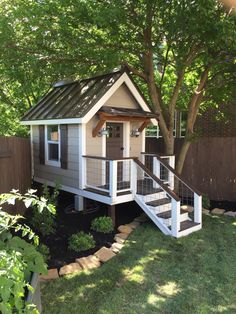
(181,53)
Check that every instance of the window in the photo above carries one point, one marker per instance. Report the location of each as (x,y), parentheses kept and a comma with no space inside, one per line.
(154,131)
(183,123)
(53,145)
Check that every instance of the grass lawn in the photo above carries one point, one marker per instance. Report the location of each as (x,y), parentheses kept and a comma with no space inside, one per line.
(156,274)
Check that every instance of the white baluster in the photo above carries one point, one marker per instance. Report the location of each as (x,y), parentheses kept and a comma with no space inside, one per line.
(175,217)
(133,178)
(197,208)
(113,179)
(156,170)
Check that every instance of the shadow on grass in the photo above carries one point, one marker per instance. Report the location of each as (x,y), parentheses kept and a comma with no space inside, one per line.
(156,274)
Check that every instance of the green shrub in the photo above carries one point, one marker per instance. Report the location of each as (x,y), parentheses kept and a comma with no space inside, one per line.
(45,223)
(102,224)
(44,251)
(206,201)
(81,242)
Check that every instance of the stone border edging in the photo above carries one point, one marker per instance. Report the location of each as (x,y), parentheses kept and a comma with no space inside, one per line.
(103,255)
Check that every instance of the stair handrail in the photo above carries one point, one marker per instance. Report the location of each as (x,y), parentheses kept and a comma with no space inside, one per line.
(184,181)
(157,180)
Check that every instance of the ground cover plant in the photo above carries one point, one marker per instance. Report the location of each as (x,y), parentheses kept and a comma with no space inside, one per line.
(102,224)
(81,241)
(156,274)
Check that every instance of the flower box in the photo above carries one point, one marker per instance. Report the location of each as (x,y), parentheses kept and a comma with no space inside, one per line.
(34,297)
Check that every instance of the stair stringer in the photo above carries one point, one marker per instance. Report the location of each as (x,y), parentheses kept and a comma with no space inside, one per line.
(152,216)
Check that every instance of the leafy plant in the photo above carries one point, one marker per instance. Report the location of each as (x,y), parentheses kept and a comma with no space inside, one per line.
(18,258)
(44,251)
(81,242)
(206,201)
(45,222)
(102,224)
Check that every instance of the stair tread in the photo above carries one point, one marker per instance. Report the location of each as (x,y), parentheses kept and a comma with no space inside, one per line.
(187,224)
(167,215)
(159,202)
(143,191)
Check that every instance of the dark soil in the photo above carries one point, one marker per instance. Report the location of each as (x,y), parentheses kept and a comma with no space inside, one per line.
(68,224)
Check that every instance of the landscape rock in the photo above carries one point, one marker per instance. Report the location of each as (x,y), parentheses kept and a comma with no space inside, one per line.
(119,240)
(141,218)
(230,214)
(52,274)
(70,269)
(205,211)
(88,262)
(116,247)
(104,254)
(218,211)
(188,208)
(125,229)
(121,235)
(134,224)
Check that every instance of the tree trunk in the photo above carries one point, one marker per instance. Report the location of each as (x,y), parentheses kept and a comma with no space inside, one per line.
(169,145)
(182,156)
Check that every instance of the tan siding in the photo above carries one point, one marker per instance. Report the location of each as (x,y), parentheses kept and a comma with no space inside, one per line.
(122,98)
(135,142)
(93,144)
(68,177)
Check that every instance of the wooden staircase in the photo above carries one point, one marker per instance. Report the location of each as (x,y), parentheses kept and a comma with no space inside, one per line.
(162,205)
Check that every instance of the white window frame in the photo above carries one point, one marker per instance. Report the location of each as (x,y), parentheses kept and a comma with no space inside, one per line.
(47,142)
(180,127)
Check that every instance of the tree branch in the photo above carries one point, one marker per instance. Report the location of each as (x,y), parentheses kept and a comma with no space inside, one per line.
(135,71)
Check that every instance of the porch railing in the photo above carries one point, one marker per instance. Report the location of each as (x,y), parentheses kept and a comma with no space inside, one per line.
(190,197)
(109,177)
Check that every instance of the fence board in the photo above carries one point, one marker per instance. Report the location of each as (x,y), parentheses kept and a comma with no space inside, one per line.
(210,165)
(15,166)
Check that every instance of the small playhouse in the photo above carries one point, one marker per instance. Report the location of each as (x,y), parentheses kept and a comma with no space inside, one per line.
(88,135)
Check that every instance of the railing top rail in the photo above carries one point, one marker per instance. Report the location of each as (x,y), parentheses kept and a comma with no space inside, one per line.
(189,185)
(108,159)
(155,178)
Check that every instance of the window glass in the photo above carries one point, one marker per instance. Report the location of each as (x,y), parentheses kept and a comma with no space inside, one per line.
(53,152)
(53,133)
(53,145)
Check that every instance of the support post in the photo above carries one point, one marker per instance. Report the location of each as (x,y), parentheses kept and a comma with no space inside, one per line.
(175,217)
(113,179)
(112,213)
(197,208)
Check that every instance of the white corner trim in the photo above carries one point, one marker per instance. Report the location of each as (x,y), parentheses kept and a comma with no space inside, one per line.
(82,152)
(32,151)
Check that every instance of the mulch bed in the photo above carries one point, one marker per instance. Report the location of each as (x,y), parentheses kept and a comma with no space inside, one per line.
(68,224)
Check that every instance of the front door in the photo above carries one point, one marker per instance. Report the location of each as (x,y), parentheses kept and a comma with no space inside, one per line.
(114,145)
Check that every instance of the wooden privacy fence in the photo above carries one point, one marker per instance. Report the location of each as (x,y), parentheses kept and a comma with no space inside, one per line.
(210,165)
(15,165)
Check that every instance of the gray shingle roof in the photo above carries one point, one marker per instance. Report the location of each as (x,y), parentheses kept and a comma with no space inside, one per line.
(73,100)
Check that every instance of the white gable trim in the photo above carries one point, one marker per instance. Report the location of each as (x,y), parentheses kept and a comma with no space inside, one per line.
(123,79)
(52,121)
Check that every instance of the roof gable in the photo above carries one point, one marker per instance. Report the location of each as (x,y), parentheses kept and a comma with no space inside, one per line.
(79,101)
